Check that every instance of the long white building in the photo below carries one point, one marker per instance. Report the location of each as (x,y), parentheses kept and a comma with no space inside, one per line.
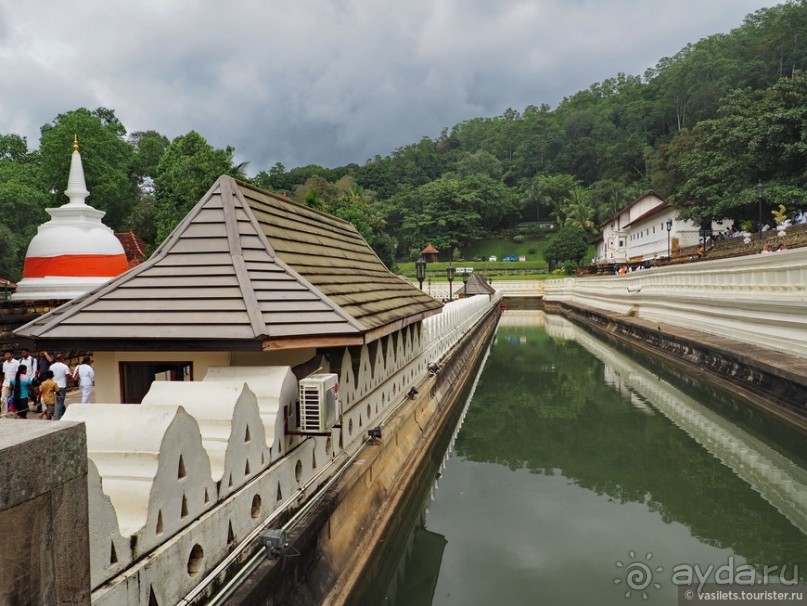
(645,230)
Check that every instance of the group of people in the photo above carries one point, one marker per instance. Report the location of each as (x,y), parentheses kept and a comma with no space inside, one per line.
(627,269)
(770,249)
(39,384)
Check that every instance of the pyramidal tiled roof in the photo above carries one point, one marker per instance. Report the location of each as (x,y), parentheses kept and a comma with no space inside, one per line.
(246,269)
(477,285)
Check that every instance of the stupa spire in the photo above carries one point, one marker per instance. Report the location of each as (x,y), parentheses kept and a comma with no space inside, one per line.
(76,186)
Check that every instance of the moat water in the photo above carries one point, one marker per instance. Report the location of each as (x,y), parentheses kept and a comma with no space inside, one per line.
(584,473)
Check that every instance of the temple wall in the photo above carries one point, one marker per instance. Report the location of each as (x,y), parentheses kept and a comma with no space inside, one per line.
(177,484)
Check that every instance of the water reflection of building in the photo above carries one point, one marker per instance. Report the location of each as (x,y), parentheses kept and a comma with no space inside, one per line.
(776,478)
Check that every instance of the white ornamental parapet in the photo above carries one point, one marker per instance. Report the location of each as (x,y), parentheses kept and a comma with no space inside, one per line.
(231,428)
(152,466)
(757,299)
(275,388)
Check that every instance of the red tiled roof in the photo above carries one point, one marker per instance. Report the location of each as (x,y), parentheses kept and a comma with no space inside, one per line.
(429,250)
(133,246)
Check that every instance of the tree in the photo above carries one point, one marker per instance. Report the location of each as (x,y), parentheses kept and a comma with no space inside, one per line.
(579,211)
(9,260)
(185,172)
(548,192)
(22,202)
(149,147)
(759,136)
(106,156)
(569,244)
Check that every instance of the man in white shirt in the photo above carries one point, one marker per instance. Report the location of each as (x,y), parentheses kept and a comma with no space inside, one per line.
(60,370)
(10,366)
(84,375)
(29,363)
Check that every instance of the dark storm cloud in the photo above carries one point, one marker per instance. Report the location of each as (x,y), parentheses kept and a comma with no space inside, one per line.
(325,81)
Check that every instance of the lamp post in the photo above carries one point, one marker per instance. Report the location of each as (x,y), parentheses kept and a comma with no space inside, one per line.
(420,268)
(760,191)
(669,229)
(450,275)
(53,195)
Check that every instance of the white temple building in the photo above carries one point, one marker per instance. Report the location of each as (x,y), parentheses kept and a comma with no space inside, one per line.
(74,252)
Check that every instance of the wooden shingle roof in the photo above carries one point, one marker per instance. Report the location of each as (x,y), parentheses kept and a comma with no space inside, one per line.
(246,269)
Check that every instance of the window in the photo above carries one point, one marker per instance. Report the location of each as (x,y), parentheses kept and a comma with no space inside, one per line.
(136,377)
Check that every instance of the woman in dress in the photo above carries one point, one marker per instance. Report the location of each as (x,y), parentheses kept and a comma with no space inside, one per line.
(20,386)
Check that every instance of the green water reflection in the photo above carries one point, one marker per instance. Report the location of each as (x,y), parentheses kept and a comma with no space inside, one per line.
(574,455)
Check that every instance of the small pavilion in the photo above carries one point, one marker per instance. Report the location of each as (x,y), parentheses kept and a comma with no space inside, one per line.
(477,285)
(430,253)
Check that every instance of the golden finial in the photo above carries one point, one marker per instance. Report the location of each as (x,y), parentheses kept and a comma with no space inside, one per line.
(75,144)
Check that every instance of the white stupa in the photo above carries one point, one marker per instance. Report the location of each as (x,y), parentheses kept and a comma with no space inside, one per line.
(73,252)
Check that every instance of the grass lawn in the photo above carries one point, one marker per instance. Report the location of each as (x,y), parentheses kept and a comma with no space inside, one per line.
(531,248)
(534,268)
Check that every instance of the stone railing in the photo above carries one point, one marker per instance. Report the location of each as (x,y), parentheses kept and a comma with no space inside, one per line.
(757,299)
(177,483)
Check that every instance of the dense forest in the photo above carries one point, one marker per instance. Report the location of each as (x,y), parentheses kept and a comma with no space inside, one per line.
(702,128)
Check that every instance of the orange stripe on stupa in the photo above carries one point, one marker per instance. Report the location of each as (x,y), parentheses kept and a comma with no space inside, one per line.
(79,266)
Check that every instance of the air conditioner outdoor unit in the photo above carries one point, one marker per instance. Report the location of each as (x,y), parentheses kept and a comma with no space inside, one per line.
(319,403)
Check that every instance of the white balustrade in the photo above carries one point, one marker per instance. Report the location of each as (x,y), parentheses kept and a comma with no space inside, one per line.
(757,299)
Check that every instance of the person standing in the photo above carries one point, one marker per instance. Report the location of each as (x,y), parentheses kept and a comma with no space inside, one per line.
(60,371)
(10,366)
(84,376)
(48,390)
(33,375)
(30,363)
(43,362)
(20,385)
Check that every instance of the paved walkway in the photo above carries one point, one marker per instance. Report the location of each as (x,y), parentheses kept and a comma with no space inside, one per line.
(73,397)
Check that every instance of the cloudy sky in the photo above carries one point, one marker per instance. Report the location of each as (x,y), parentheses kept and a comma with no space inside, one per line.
(325,81)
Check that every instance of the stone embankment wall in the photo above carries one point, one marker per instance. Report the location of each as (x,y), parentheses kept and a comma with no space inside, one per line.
(744,320)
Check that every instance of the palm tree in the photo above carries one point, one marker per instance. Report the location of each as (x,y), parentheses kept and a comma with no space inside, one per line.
(578,210)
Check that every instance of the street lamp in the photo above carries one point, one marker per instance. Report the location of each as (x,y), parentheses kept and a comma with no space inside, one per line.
(450,275)
(760,191)
(53,195)
(420,268)
(669,229)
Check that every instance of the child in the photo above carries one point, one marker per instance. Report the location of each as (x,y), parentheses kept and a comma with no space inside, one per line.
(47,390)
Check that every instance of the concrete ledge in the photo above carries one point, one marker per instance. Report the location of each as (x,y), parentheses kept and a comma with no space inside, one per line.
(44,544)
(25,445)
